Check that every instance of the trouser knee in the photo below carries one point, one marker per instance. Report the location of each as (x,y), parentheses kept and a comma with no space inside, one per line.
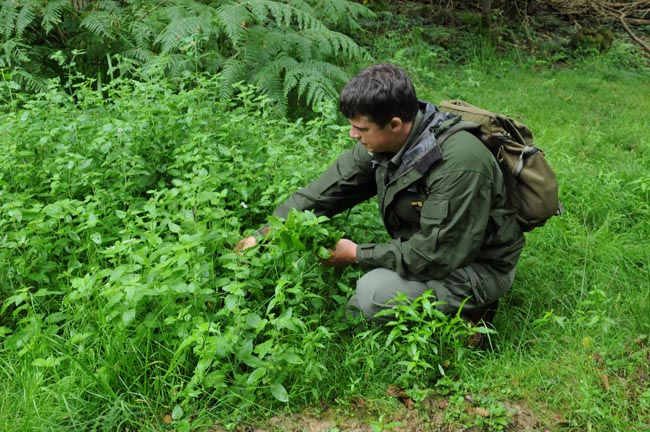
(377,290)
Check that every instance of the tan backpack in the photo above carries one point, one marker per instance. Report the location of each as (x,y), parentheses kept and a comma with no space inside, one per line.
(530,181)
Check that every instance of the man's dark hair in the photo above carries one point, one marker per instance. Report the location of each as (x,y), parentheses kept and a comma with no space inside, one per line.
(380,92)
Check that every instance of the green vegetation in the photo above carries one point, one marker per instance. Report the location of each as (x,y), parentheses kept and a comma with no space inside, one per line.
(124,307)
(292,51)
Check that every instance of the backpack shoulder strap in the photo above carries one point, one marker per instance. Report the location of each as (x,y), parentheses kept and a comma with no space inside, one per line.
(461,125)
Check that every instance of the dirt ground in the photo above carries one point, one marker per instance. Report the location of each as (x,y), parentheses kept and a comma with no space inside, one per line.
(428,417)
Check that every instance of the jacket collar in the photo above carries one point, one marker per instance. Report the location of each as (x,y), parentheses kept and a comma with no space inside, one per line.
(421,149)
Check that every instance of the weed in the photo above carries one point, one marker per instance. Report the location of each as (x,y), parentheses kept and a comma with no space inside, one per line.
(124,305)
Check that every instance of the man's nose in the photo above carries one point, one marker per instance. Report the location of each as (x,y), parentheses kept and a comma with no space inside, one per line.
(354,134)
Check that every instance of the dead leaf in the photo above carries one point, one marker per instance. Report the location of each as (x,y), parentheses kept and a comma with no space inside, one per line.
(561,421)
(167,419)
(401,395)
(604,379)
(470,399)
(478,411)
(395,391)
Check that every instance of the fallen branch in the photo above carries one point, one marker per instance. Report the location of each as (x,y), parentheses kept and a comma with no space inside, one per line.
(632,35)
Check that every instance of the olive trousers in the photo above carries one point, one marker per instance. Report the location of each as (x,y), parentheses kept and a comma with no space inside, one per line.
(476,285)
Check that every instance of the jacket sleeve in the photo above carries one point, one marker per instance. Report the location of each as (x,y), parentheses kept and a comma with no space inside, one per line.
(453,223)
(347,182)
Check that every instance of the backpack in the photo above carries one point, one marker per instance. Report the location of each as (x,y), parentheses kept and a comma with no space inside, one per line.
(531,184)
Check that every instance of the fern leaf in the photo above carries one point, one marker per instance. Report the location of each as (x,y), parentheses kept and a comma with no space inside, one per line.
(15,52)
(53,14)
(29,81)
(334,44)
(316,81)
(303,19)
(234,19)
(341,14)
(99,23)
(25,17)
(142,34)
(8,14)
(294,44)
(178,30)
(233,72)
(263,11)
(109,6)
(140,54)
(271,85)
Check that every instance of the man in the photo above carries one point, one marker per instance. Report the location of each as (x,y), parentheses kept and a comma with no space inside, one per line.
(444,206)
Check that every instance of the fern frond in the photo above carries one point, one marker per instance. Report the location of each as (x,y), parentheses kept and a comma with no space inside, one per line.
(234,18)
(29,82)
(142,34)
(25,18)
(53,14)
(334,44)
(304,6)
(193,7)
(265,10)
(303,19)
(289,42)
(271,85)
(14,52)
(167,64)
(8,14)
(233,71)
(139,54)
(316,81)
(180,29)
(176,64)
(99,23)
(341,14)
(109,6)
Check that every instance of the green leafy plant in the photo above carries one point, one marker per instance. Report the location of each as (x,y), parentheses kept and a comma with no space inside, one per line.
(424,341)
(124,305)
(292,51)
(116,242)
(267,346)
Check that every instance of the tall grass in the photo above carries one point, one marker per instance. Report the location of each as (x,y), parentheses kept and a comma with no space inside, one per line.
(572,332)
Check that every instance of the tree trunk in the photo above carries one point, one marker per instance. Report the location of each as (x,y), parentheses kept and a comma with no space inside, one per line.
(80,4)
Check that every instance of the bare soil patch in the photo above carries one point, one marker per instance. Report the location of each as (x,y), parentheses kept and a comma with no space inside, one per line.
(429,416)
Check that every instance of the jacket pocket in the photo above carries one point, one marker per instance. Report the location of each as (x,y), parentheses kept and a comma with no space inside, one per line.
(434,213)
(433,217)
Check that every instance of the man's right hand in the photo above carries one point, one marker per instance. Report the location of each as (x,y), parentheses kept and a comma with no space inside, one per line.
(245,243)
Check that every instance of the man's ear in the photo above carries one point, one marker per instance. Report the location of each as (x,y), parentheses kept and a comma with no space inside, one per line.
(396,124)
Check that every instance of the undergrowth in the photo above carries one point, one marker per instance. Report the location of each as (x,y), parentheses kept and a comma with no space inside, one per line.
(123,302)
(124,305)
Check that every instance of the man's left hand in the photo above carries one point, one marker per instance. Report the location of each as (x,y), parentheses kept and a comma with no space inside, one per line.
(345,253)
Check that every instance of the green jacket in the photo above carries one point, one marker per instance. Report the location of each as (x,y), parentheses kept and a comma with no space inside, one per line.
(444,206)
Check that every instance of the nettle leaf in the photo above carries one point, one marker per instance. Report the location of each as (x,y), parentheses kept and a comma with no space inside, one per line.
(173,227)
(47,362)
(279,392)
(177,412)
(256,375)
(264,348)
(128,316)
(291,357)
(96,238)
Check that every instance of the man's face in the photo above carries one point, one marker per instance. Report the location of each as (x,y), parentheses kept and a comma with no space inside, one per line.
(374,138)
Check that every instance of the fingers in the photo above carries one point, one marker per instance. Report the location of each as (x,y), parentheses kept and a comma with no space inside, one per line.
(345,253)
(245,243)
